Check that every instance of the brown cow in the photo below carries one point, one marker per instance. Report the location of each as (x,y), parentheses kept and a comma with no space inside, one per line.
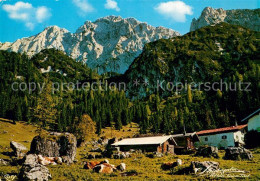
(104,168)
(91,165)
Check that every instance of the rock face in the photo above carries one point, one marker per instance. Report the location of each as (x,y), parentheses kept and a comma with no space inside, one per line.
(206,166)
(244,17)
(32,170)
(209,151)
(55,145)
(109,44)
(236,153)
(18,148)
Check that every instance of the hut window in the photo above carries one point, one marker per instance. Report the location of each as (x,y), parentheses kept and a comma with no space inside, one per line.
(206,139)
(224,137)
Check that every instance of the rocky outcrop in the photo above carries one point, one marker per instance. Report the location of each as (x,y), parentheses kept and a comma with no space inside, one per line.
(244,17)
(32,170)
(18,149)
(108,44)
(201,167)
(208,151)
(55,145)
(237,153)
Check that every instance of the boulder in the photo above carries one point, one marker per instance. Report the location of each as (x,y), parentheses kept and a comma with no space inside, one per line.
(179,162)
(209,151)
(37,172)
(18,149)
(31,159)
(236,153)
(32,170)
(206,166)
(55,145)
(121,167)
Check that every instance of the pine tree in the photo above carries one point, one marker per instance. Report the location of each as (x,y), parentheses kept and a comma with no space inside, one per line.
(118,123)
(45,111)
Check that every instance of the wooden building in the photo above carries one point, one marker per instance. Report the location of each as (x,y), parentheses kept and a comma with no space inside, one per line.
(161,144)
(185,142)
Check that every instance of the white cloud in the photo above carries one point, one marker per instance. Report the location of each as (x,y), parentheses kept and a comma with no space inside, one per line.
(176,10)
(42,14)
(26,13)
(111,4)
(84,6)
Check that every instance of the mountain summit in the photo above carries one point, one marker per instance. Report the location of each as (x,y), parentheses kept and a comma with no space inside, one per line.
(244,17)
(108,44)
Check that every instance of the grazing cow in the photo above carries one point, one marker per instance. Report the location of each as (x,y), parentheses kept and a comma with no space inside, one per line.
(104,168)
(46,160)
(91,164)
(170,165)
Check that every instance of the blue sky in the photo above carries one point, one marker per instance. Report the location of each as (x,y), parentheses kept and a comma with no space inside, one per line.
(25,18)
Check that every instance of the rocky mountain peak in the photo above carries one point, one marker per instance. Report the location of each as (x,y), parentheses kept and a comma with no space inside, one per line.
(107,44)
(55,28)
(249,18)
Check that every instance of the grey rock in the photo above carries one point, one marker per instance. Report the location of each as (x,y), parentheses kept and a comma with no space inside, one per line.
(244,17)
(32,170)
(55,145)
(179,162)
(237,153)
(18,148)
(209,151)
(37,172)
(206,166)
(31,160)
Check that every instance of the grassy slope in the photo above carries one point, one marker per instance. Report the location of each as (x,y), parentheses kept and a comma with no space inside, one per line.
(148,168)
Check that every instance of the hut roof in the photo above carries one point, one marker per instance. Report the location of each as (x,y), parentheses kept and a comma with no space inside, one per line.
(154,140)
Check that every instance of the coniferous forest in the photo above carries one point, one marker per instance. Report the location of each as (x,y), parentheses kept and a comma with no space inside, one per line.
(155,112)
